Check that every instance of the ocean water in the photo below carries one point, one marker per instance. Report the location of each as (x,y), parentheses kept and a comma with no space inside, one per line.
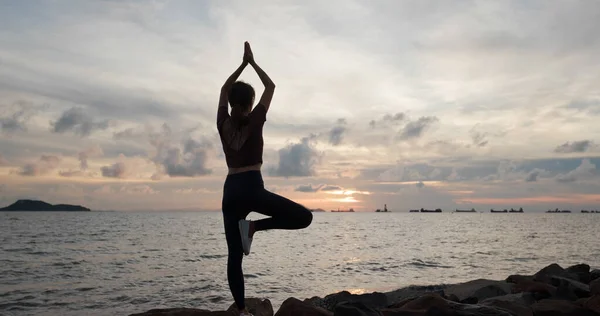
(116,263)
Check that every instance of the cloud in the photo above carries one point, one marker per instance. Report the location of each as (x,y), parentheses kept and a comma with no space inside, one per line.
(77,121)
(533,175)
(584,171)
(415,129)
(336,134)
(185,159)
(316,188)
(331,188)
(14,118)
(307,188)
(296,160)
(44,165)
(574,147)
(388,119)
(116,170)
(89,152)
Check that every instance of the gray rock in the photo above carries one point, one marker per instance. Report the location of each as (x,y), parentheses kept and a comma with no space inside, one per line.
(582,271)
(412,292)
(524,298)
(566,286)
(554,269)
(478,290)
(595,274)
(560,308)
(354,309)
(329,302)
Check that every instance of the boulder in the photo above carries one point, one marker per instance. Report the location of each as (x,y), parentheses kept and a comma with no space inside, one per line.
(295,307)
(406,294)
(516,309)
(551,307)
(256,307)
(373,300)
(524,298)
(546,290)
(593,304)
(433,304)
(517,278)
(595,287)
(354,309)
(554,269)
(477,290)
(582,271)
(595,274)
(570,289)
(183,312)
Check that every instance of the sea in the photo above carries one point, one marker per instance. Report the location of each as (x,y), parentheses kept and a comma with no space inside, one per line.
(118,263)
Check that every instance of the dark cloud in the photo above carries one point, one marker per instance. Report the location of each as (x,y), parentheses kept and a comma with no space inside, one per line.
(314,188)
(116,170)
(44,165)
(388,119)
(296,160)
(331,188)
(14,117)
(533,175)
(77,121)
(336,134)
(180,159)
(574,147)
(415,129)
(307,188)
(89,152)
(479,138)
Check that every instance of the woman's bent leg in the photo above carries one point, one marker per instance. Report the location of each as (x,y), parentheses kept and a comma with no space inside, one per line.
(285,214)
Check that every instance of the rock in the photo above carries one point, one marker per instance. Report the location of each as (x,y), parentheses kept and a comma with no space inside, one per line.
(255,306)
(554,269)
(183,312)
(516,309)
(516,278)
(595,287)
(559,308)
(477,290)
(535,287)
(354,309)
(374,300)
(595,274)
(408,293)
(582,271)
(435,305)
(570,289)
(295,307)
(525,299)
(593,304)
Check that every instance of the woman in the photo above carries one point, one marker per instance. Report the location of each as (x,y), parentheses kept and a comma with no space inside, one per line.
(244,191)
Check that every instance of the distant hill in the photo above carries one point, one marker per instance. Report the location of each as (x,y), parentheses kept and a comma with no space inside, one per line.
(317,210)
(33,205)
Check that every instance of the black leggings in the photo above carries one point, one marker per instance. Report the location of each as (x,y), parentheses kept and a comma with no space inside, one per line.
(244,193)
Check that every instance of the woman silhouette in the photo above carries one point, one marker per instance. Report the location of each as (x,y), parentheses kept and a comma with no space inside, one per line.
(244,191)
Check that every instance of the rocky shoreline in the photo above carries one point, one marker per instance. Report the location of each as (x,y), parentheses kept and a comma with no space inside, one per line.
(552,291)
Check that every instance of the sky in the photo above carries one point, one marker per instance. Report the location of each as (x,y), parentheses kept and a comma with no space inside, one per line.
(414,104)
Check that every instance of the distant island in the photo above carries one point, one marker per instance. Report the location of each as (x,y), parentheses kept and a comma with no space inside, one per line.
(34,205)
(317,210)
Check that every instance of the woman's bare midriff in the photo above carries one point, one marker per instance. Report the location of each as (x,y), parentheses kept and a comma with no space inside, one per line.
(255,167)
